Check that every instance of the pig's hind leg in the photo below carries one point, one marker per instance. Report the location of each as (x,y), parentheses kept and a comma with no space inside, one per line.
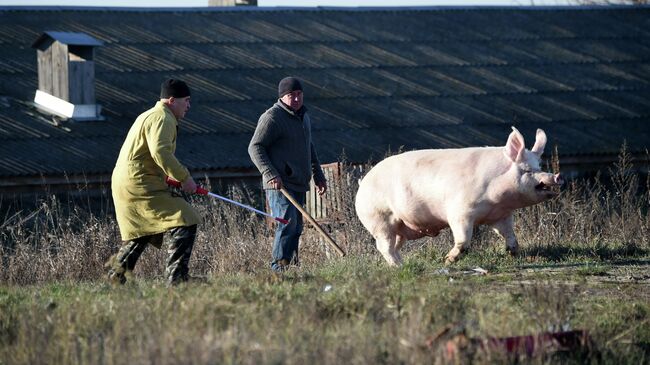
(505,229)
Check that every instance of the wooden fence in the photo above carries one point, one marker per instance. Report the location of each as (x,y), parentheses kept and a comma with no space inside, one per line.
(329,207)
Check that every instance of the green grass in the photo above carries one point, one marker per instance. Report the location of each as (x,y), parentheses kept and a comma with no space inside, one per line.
(583,265)
(352,310)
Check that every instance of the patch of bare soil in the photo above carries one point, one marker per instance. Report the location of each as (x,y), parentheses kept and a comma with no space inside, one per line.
(629,279)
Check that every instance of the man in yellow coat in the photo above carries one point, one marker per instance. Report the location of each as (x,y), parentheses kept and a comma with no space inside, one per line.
(144,206)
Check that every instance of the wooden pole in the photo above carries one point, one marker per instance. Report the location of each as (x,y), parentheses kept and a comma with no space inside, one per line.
(313,221)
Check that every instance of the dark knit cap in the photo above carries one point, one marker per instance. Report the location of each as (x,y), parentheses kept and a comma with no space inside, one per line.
(287,85)
(174,88)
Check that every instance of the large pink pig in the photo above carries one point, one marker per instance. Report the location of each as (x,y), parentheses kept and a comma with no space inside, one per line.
(418,193)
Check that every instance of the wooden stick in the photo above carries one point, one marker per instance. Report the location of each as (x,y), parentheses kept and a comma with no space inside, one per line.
(313,221)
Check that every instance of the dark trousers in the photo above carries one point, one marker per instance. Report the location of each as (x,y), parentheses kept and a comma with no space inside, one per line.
(179,251)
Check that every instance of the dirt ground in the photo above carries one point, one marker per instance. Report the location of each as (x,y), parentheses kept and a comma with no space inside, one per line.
(621,278)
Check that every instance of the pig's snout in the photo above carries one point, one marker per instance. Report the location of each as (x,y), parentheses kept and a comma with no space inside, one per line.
(549,185)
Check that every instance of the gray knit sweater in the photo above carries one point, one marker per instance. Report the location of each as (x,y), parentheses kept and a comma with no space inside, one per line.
(282,146)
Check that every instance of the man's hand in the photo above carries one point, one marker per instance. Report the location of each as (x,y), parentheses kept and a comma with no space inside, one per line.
(321,187)
(276,183)
(189,186)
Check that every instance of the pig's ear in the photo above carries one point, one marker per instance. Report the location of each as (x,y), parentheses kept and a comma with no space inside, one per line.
(515,146)
(540,142)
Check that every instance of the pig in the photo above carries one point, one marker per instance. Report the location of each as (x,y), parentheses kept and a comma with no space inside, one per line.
(418,193)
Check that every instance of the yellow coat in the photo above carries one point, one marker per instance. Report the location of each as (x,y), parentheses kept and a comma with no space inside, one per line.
(143,204)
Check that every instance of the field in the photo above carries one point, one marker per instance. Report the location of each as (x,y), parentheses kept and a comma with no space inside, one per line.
(584,266)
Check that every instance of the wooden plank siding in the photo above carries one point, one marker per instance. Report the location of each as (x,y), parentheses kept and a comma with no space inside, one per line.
(329,208)
(81,81)
(325,207)
(45,70)
(322,208)
(60,71)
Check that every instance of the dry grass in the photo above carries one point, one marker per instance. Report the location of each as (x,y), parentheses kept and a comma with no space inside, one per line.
(56,308)
(61,241)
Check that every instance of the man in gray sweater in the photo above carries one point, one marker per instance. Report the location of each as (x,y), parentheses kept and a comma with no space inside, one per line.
(282,150)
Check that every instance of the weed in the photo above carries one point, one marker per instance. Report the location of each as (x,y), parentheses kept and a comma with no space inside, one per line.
(583,266)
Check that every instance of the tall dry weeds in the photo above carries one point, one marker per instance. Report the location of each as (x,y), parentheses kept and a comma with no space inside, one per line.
(63,241)
(591,217)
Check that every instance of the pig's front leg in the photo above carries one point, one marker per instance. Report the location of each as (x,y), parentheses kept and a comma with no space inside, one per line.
(386,242)
(505,229)
(462,230)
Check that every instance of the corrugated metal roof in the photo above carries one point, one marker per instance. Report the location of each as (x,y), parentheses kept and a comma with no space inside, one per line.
(374,79)
(69,38)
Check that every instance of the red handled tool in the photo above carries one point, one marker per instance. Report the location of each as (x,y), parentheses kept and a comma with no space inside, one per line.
(202,191)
